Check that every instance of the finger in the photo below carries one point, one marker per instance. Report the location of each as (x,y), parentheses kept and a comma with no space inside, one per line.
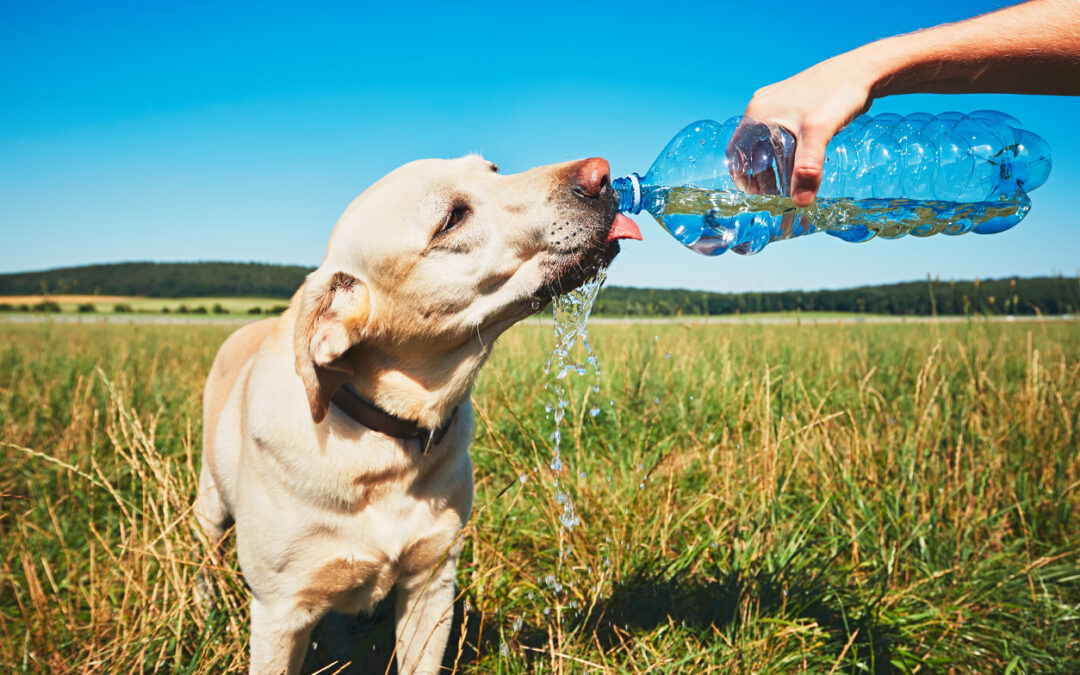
(808,166)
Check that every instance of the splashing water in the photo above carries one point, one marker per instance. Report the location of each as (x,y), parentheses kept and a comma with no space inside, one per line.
(571,313)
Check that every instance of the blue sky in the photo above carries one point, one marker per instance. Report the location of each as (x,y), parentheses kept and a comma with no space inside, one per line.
(195,131)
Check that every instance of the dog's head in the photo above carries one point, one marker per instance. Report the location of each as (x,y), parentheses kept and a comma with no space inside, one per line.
(431,263)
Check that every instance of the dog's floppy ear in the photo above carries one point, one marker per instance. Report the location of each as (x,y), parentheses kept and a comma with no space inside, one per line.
(333,317)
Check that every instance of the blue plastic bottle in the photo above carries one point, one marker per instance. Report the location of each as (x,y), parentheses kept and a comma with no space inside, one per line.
(725,186)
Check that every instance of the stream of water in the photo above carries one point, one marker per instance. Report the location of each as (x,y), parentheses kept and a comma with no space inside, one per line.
(571,314)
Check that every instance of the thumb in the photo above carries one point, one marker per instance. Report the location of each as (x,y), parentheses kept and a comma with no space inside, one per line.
(807,169)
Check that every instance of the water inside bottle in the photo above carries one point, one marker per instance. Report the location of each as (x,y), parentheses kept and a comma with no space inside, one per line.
(711,222)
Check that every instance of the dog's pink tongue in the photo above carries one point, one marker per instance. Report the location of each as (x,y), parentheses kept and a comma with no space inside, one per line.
(623,228)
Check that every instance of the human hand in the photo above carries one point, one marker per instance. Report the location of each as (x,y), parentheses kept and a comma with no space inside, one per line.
(1028,48)
(813,105)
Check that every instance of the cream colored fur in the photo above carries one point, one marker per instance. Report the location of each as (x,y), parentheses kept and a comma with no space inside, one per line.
(330,514)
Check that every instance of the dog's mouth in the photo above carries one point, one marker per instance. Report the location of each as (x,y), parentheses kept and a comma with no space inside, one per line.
(574,273)
(570,271)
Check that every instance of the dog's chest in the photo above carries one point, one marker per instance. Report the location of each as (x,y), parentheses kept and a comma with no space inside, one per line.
(360,514)
(361,557)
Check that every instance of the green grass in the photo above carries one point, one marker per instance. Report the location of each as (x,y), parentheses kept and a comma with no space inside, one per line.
(768,499)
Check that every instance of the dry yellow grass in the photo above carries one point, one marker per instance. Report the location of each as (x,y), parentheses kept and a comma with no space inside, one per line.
(149,305)
(63,299)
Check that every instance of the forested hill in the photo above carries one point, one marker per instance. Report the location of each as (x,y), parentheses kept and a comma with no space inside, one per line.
(1046,295)
(161,280)
(1039,295)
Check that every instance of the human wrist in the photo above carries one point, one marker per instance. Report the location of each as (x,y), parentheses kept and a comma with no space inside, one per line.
(877,67)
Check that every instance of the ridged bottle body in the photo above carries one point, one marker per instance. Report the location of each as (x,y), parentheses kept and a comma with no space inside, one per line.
(719,187)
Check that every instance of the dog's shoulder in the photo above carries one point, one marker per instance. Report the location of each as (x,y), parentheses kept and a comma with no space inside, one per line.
(237,350)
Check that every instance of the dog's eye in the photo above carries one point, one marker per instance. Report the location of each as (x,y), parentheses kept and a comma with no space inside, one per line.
(454,219)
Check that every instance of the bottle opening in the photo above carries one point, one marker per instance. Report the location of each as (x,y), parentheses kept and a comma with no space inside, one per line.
(629,191)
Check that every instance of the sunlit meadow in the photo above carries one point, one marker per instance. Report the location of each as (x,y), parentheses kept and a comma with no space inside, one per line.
(753,499)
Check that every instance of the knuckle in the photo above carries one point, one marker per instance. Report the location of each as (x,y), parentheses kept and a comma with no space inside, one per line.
(761,99)
(808,170)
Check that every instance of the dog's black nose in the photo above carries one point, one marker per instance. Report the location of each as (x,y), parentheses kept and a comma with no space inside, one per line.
(593,176)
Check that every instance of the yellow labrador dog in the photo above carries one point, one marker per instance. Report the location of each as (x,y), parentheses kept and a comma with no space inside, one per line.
(336,437)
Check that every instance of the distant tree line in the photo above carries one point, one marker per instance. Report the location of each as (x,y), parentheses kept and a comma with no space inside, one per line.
(1045,295)
(1040,295)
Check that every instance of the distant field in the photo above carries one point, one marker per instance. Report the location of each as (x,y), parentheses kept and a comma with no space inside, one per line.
(253,307)
(243,305)
(754,499)
(108,303)
(64,300)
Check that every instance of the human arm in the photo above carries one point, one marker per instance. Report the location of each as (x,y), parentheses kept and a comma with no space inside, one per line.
(1031,48)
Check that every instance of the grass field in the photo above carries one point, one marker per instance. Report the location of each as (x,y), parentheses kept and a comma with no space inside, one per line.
(768,499)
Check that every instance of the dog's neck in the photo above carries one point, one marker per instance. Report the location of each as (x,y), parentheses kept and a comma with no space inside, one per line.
(418,388)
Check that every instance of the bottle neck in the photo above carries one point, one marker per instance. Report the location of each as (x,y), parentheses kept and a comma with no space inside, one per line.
(629,191)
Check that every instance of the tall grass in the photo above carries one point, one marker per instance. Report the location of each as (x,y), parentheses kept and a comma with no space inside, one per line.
(765,499)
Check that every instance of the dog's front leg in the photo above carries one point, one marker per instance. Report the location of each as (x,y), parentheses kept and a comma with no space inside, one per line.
(278,641)
(425,610)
